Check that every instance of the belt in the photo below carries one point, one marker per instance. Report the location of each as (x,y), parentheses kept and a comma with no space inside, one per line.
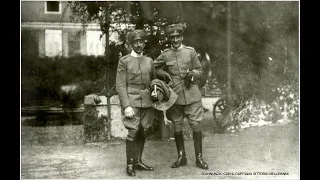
(138,86)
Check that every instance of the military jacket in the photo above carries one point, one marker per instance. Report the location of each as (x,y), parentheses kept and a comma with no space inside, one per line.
(177,63)
(134,75)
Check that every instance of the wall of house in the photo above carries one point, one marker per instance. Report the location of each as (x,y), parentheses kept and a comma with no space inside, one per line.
(34,11)
(29,43)
(35,22)
(33,42)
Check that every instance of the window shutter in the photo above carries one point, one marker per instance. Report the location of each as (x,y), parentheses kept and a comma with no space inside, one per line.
(95,45)
(53,43)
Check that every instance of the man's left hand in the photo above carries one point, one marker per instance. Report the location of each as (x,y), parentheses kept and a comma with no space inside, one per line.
(195,73)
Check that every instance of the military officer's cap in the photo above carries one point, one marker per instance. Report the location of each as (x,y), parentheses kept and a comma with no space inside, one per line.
(174,29)
(137,35)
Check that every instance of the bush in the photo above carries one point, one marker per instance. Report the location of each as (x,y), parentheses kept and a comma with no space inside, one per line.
(95,127)
(264,48)
(42,78)
(256,111)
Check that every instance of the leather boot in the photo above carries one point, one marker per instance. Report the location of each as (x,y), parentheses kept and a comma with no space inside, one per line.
(139,165)
(182,159)
(197,138)
(130,151)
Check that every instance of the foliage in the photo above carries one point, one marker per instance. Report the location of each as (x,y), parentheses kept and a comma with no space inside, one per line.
(258,31)
(95,128)
(42,79)
(257,112)
(264,47)
(253,46)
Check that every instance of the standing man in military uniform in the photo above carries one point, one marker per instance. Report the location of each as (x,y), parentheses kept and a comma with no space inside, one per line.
(180,67)
(134,74)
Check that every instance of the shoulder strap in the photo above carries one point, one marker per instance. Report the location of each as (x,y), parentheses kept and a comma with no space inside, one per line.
(189,47)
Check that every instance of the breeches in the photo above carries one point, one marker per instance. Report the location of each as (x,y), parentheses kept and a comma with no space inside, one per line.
(143,118)
(193,112)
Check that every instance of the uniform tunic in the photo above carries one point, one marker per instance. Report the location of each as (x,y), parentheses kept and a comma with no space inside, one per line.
(134,75)
(177,63)
(188,104)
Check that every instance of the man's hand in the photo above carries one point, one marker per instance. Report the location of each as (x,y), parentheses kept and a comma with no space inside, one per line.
(194,73)
(128,112)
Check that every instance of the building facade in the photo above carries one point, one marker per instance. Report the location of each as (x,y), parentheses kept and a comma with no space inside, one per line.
(47,30)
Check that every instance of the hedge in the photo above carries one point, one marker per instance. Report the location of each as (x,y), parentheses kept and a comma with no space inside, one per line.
(42,78)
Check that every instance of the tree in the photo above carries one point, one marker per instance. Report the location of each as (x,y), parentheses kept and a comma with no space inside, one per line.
(258,30)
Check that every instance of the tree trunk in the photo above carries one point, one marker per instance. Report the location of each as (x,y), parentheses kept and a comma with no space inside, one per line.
(107,56)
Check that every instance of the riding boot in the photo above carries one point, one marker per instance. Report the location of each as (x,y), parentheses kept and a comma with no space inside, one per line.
(139,165)
(182,159)
(197,138)
(130,151)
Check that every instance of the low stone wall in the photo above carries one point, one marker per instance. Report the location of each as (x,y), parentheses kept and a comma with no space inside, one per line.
(97,105)
(114,127)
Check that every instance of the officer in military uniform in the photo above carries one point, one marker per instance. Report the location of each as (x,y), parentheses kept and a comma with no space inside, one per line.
(134,74)
(180,67)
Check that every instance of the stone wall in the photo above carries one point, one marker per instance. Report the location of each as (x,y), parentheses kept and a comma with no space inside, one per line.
(112,127)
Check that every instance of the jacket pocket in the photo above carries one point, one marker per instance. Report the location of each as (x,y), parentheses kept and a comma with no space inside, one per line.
(171,66)
(185,65)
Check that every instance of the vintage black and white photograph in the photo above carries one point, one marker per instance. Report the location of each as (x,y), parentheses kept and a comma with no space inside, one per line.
(160,90)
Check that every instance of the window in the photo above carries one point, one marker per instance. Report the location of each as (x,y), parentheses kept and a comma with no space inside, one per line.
(95,45)
(53,43)
(52,7)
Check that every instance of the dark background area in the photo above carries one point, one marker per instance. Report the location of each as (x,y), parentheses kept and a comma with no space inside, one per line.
(263,44)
